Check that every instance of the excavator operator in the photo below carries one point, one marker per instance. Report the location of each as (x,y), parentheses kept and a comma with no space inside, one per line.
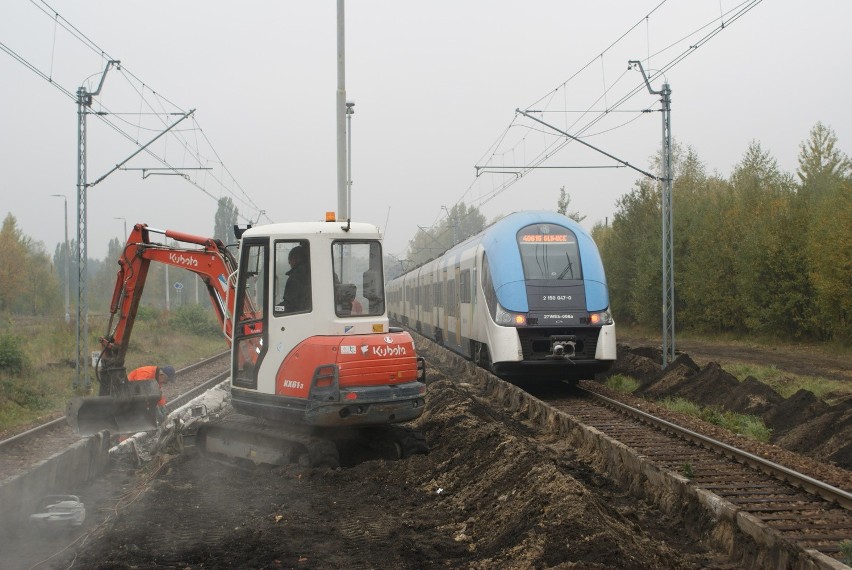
(163,375)
(297,289)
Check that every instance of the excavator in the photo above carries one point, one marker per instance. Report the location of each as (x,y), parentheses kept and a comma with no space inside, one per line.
(310,369)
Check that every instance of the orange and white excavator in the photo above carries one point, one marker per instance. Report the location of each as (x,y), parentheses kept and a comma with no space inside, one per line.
(307,366)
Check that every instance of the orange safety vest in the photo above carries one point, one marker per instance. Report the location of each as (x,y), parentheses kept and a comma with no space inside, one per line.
(148,373)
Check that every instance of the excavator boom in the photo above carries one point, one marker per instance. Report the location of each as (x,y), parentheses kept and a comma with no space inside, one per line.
(127,407)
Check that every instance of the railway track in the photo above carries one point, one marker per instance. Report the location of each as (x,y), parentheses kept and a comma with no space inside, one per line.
(24,450)
(800,509)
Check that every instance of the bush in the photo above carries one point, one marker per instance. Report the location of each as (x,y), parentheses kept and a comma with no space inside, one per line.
(24,395)
(622,383)
(147,313)
(12,357)
(194,319)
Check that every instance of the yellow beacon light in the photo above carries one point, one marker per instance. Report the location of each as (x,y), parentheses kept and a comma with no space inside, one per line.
(329,217)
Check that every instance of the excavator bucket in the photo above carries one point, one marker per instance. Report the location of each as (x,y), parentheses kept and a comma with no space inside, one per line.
(129,414)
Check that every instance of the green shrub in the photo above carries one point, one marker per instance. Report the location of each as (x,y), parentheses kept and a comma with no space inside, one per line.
(622,383)
(194,319)
(24,395)
(12,357)
(742,424)
(147,313)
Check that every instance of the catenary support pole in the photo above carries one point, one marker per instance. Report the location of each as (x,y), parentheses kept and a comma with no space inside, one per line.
(667,215)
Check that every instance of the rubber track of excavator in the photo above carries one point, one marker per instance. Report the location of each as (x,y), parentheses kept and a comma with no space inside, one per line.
(243,438)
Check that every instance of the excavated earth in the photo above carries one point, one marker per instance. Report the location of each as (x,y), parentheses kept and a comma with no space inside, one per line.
(493,492)
(801,423)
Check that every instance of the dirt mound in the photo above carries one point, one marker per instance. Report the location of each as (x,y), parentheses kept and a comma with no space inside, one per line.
(800,423)
(668,382)
(494,492)
(752,397)
(631,363)
(825,435)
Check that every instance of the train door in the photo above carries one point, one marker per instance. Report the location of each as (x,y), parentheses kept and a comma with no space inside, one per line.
(444,304)
(418,323)
(456,301)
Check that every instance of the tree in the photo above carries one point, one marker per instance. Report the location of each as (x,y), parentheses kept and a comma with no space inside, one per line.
(825,210)
(821,164)
(102,277)
(28,283)
(631,256)
(461,223)
(226,218)
(13,255)
(562,206)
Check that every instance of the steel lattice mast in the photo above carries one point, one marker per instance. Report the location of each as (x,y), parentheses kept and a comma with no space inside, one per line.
(666,210)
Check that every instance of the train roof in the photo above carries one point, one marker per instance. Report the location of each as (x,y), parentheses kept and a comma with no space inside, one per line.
(507,227)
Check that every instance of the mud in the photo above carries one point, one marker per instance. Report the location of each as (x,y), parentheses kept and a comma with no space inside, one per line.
(493,492)
(801,423)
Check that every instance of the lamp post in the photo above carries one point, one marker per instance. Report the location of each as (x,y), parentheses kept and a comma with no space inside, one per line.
(125,225)
(350,110)
(67,254)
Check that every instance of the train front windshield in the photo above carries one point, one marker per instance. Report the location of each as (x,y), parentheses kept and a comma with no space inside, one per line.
(549,252)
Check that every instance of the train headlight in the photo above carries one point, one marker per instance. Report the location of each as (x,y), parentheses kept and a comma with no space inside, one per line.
(600,318)
(508,318)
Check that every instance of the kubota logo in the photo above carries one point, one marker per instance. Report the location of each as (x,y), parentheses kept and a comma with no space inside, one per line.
(384,351)
(180,259)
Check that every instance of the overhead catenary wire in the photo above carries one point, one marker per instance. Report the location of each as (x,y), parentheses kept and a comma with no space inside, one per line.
(696,38)
(160,109)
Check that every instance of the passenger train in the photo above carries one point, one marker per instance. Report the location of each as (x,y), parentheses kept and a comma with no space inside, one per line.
(525,298)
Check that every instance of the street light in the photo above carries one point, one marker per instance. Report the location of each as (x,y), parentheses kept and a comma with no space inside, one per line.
(125,225)
(67,255)
(350,110)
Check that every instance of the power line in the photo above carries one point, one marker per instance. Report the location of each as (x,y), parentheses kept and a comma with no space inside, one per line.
(715,26)
(160,110)
(719,24)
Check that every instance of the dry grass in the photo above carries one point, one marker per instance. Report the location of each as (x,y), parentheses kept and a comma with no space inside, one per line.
(49,347)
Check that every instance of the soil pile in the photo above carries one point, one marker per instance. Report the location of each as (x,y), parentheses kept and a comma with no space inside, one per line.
(801,423)
(492,493)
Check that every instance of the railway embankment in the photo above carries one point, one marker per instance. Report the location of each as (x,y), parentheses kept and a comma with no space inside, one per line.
(717,523)
(66,472)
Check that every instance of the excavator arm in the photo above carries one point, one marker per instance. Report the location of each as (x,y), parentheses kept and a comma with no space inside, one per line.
(124,406)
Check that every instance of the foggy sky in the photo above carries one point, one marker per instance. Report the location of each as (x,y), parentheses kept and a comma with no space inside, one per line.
(434,84)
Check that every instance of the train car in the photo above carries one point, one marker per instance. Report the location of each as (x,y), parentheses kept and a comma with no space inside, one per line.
(525,298)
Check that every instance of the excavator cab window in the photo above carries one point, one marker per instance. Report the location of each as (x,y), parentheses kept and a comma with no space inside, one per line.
(292,277)
(358,284)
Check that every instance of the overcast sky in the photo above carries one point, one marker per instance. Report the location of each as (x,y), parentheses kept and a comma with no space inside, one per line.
(435,86)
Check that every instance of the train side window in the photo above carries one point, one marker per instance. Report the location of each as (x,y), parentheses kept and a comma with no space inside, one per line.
(292,277)
(464,292)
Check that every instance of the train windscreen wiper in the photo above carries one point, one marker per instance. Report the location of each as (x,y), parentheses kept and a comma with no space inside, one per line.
(568,268)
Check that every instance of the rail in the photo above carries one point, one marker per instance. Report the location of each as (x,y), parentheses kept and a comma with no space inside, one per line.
(172,405)
(804,482)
